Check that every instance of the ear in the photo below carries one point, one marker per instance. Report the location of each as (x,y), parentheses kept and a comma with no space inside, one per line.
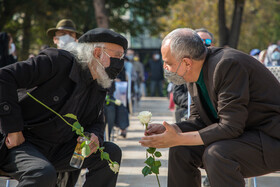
(55,40)
(97,52)
(187,62)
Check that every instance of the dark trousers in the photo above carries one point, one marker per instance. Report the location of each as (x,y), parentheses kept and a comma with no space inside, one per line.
(32,167)
(226,162)
(156,86)
(116,116)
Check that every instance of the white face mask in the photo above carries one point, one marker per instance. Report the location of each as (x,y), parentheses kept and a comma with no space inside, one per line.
(12,49)
(157,56)
(63,40)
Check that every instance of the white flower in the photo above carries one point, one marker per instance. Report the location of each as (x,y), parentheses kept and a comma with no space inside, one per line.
(114,167)
(145,117)
(118,102)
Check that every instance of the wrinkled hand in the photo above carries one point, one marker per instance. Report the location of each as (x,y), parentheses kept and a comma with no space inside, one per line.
(168,138)
(154,128)
(14,139)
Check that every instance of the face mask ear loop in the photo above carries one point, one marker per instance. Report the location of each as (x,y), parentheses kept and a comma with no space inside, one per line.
(178,67)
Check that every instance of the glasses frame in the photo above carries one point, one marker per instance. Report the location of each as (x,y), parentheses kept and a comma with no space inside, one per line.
(121,55)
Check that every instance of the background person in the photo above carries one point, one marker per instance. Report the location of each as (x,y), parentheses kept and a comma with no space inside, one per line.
(7,49)
(64,33)
(155,75)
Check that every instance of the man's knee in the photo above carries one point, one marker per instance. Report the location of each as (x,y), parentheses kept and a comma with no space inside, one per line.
(215,153)
(45,175)
(113,150)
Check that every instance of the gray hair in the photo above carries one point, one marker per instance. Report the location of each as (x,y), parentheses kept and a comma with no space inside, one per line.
(205,31)
(83,51)
(184,42)
(84,55)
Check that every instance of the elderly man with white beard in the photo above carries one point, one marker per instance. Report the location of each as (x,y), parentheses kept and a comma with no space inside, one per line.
(35,143)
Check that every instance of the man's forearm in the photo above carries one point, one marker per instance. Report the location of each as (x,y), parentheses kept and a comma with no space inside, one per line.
(189,138)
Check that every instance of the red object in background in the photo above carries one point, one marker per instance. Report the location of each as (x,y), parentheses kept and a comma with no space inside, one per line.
(171,102)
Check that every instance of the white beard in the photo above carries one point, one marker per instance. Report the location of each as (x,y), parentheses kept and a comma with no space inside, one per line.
(103,79)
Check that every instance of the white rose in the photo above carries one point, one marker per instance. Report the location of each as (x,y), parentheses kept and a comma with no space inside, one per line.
(145,117)
(118,102)
(114,167)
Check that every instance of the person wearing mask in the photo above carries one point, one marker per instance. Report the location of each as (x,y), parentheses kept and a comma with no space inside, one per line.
(65,32)
(35,143)
(231,117)
(272,57)
(180,92)
(7,49)
(155,75)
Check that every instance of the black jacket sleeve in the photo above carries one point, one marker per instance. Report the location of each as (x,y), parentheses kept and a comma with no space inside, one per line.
(180,95)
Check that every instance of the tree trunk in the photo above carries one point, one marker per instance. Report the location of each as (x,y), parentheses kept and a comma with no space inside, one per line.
(229,37)
(223,30)
(100,14)
(6,12)
(26,36)
(236,23)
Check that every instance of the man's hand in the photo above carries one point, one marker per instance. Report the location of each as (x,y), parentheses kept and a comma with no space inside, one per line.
(14,139)
(154,128)
(94,143)
(168,138)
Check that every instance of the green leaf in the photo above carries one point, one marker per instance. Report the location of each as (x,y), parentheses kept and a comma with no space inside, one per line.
(78,132)
(83,144)
(105,156)
(85,150)
(157,154)
(151,150)
(155,169)
(157,163)
(146,171)
(76,126)
(71,116)
(101,149)
(150,161)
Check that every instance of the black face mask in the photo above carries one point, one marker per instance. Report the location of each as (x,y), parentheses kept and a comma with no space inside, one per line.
(116,65)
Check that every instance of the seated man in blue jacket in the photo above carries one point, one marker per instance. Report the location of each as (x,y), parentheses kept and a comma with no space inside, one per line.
(35,142)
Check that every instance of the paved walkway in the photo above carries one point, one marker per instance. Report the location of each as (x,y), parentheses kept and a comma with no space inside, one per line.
(134,155)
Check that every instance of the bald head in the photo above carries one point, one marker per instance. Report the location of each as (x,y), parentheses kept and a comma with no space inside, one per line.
(185,42)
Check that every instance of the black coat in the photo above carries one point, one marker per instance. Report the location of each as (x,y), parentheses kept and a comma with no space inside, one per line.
(55,78)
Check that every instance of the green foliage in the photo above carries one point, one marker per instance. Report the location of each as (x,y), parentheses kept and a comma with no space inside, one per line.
(260,20)
(46,13)
(158,154)
(151,150)
(71,116)
(105,156)
(146,171)
(152,164)
(150,161)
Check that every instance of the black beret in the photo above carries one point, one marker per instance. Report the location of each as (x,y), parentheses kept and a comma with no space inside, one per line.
(103,35)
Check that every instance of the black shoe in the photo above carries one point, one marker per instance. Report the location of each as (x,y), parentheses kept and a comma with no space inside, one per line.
(206,182)
(123,133)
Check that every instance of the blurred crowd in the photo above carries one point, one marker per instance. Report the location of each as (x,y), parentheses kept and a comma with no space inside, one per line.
(269,56)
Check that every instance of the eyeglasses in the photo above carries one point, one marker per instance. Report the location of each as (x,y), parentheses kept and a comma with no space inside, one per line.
(118,54)
(207,42)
